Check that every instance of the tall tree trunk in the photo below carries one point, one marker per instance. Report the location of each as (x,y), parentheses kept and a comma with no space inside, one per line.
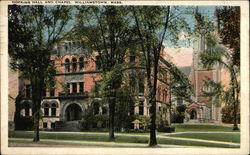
(234,102)
(152,139)
(37,86)
(112,120)
(170,106)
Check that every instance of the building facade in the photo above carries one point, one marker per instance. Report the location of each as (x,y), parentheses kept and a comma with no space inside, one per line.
(202,110)
(78,78)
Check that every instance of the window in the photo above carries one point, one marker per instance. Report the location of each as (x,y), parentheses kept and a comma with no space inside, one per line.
(28,91)
(179,101)
(46,109)
(53,125)
(26,110)
(141,108)
(132,110)
(52,92)
(159,94)
(74,65)
(104,110)
(81,85)
(68,87)
(96,108)
(132,59)
(67,66)
(53,109)
(98,63)
(74,88)
(81,64)
(45,125)
(141,87)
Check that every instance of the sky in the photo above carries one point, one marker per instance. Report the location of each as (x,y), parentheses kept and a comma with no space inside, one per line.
(183,56)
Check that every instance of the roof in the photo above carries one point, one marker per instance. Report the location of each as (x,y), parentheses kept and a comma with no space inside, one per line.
(185,70)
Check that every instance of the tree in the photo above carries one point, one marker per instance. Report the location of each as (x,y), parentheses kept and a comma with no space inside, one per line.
(218,55)
(228,18)
(153,25)
(33,33)
(106,30)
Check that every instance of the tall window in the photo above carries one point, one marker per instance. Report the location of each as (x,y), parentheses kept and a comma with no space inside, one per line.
(81,64)
(104,110)
(26,110)
(132,59)
(159,94)
(67,66)
(52,92)
(53,109)
(141,87)
(46,109)
(74,65)
(96,108)
(141,108)
(28,91)
(68,88)
(81,85)
(132,110)
(74,88)
(98,63)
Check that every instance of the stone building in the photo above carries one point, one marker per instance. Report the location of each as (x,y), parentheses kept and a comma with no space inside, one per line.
(203,110)
(77,78)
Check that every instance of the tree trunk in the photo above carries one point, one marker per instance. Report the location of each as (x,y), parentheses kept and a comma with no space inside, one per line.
(234,102)
(152,139)
(152,101)
(112,120)
(37,86)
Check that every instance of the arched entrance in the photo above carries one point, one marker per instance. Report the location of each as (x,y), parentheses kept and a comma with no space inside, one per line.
(193,114)
(73,112)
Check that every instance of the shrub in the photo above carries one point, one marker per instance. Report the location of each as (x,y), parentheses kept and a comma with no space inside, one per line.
(24,123)
(178,115)
(227,114)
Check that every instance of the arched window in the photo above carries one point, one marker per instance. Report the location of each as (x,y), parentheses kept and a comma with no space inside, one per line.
(81,64)
(96,108)
(46,109)
(74,65)
(53,109)
(26,109)
(193,114)
(67,66)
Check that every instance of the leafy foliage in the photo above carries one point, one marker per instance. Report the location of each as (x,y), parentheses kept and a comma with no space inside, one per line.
(33,32)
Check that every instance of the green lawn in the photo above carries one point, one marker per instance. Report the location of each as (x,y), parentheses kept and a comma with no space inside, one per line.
(225,137)
(123,138)
(202,128)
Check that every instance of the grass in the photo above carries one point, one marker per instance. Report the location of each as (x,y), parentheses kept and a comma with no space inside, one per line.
(119,139)
(202,128)
(224,137)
